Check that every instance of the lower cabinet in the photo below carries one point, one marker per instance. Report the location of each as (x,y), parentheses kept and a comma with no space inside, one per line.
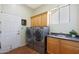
(67,49)
(61,46)
(53,45)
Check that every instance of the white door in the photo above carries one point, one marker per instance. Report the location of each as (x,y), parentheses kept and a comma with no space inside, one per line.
(10,28)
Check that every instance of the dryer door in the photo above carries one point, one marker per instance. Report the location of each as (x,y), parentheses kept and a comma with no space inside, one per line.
(38,35)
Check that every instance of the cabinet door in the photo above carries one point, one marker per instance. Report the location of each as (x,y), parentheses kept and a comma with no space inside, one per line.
(52,45)
(54,17)
(64,15)
(44,19)
(69,47)
(38,20)
(33,21)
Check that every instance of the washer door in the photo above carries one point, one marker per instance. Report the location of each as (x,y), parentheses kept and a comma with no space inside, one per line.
(38,35)
(29,34)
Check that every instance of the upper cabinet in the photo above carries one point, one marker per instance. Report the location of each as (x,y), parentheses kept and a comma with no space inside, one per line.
(64,14)
(60,15)
(44,19)
(54,17)
(39,20)
(33,21)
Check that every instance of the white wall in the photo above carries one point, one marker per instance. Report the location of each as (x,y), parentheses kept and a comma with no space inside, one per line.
(0,8)
(77,18)
(44,8)
(19,10)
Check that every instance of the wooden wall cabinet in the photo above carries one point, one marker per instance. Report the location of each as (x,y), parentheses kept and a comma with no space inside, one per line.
(39,20)
(44,19)
(61,46)
(33,21)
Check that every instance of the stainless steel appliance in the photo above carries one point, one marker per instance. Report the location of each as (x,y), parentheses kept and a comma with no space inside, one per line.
(36,38)
(29,37)
(39,38)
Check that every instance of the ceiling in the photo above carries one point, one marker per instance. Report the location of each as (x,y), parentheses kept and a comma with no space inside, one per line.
(34,6)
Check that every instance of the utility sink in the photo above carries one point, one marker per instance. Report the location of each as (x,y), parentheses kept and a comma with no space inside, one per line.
(63,36)
(60,35)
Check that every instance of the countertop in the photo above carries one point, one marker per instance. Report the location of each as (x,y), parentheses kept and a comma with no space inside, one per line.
(64,36)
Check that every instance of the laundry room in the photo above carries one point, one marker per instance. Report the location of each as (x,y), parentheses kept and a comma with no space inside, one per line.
(39,29)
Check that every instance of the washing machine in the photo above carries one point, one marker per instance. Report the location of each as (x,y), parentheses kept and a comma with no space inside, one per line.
(30,37)
(39,38)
